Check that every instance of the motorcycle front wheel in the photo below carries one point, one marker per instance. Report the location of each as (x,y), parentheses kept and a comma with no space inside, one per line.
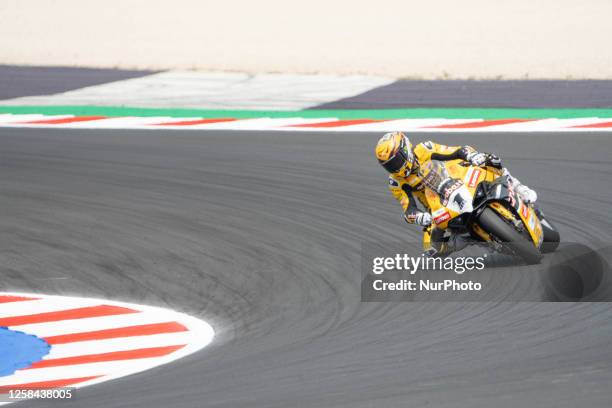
(508,236)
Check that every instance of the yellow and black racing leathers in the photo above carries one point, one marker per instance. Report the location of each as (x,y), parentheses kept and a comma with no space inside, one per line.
(405,188)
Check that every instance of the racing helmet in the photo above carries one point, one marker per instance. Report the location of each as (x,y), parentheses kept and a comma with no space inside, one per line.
(394,153)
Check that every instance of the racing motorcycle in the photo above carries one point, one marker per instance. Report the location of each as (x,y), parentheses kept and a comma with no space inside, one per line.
(482,202)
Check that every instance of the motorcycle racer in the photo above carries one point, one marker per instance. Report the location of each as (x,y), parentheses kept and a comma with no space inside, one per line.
(403,161)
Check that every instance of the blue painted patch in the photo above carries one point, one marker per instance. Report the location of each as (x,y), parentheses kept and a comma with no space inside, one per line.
(19,350)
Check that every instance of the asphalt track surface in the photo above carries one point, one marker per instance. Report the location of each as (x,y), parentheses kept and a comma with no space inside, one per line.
(260,234)
(21,81)
(476,94)
(17,81)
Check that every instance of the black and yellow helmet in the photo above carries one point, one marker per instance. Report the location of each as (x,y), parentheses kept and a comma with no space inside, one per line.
(394,153)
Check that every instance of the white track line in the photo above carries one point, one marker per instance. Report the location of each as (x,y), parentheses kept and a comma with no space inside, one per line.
(41,306)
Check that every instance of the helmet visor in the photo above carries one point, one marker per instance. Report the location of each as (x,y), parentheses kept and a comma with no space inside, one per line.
(399,160)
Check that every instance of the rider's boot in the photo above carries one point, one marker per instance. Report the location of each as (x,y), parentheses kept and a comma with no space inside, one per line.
(443,243)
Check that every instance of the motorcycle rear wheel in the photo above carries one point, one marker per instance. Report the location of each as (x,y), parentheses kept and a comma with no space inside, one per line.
(509,237)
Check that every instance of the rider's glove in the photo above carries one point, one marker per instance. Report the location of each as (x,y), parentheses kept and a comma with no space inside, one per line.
(418,217)
(493,161)
(423,218)
(527,194)
(476,158)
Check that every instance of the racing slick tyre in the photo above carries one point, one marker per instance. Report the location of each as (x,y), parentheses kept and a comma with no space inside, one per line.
(551,240)
(510,238)
(550,243)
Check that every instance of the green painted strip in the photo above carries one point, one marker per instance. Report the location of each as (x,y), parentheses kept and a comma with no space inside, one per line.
(416,113)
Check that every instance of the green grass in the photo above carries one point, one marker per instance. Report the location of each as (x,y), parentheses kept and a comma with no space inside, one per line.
(416,113)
